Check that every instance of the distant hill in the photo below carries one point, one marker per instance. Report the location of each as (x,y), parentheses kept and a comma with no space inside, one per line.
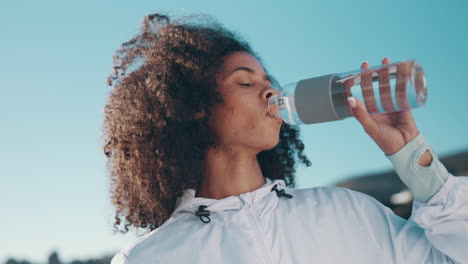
(387,187)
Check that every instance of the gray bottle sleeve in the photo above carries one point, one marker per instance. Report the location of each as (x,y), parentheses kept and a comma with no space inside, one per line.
(313,100)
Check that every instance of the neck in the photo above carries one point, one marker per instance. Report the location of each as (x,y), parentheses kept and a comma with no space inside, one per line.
(228,173)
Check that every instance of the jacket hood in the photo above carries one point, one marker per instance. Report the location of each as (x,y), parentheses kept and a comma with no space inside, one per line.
(188,203)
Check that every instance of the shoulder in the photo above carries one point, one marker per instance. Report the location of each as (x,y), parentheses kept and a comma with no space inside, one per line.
(152,245)
(329,192)
(333,197)
(321,194)
(339,206)
(319,190)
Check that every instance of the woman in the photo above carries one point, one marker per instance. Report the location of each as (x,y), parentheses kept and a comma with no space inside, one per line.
(196,159)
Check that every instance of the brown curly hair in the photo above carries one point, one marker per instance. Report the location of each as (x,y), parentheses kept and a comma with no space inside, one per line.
(154,146)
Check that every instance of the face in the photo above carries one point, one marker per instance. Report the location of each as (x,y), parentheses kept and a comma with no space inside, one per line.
(242,122)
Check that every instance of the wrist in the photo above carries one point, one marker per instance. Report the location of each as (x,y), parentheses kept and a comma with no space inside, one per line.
(423,181)
(426,159)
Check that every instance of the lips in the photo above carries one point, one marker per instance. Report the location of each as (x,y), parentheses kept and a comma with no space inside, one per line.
(276,117)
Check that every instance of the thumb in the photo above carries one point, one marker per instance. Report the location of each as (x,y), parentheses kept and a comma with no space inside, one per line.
(360,112)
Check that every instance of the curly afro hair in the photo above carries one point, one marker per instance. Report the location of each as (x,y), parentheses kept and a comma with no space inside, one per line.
(154,146)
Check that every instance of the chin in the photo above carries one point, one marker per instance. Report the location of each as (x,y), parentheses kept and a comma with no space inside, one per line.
(271,144)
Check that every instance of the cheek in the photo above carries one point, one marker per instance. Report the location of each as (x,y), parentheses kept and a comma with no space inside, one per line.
(246,118)
(237,122)
(253,128)
(241,119)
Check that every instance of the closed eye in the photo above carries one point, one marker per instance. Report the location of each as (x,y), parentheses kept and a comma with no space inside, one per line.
(245,84)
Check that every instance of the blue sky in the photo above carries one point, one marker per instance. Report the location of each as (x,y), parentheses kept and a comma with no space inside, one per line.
(55,57)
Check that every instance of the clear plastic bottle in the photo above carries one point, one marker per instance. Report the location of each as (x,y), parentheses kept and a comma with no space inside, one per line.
(383,89)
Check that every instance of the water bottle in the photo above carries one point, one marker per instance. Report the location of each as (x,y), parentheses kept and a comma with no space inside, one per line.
(384,88)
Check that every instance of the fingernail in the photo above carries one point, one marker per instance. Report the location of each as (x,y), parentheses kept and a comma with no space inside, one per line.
(364,64)
(351,101)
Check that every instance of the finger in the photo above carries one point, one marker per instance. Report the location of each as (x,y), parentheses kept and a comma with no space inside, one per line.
(403,74)
(384,88)
(368,89)
(361,114)
(386,60)
(420,86)
(347,84)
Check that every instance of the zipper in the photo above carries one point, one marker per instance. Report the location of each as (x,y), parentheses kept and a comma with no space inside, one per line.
(257,231)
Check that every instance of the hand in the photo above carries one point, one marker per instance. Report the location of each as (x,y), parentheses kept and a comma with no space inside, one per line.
(391,131)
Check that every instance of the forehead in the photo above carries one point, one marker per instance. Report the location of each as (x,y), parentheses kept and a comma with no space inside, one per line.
(239,59)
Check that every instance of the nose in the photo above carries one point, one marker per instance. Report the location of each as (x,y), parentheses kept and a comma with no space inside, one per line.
(269,92)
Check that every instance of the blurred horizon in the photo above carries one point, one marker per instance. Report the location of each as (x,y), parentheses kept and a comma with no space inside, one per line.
(57,55)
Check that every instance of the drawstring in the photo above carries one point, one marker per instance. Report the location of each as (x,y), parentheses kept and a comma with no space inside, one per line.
(201,212)
(205,214)
(281,192)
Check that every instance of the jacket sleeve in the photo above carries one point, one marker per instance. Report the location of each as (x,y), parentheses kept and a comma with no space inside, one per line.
(437,231)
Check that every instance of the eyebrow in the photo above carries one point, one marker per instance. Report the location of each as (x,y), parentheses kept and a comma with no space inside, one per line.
(265,77)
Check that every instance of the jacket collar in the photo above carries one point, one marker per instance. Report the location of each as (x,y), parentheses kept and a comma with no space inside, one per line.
(188,203)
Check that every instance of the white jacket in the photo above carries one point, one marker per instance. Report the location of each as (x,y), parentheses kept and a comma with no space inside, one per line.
(315,225)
